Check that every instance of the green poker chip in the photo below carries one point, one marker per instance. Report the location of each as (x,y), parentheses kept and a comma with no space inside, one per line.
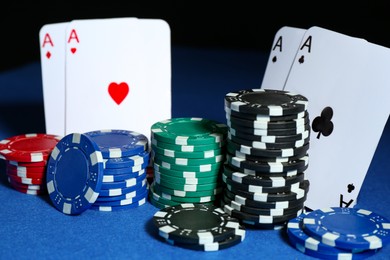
(187,187)
(189,161)
(168,199)
(190,155)
(185,174)
(189,148)
(180,193)
(189,131)
(191,168)
(185,181)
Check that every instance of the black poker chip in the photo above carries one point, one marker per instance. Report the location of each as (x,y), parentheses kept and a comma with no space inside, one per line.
(269,138)
(266,102)
(265,181)
(266,118)
(214,246)
(262,145)
(260,204)
(285,124)
(269,167)
(260,211)
(277,132)
(260,219)
(295,194)
(288,152)
(195,224)
(267,174)
(235,186)
(249,157)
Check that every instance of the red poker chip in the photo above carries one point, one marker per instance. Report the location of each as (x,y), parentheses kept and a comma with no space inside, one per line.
(30,175)
(28,147)
(26,180)
(25,169)
(41,187)
(29,191)
(28,164)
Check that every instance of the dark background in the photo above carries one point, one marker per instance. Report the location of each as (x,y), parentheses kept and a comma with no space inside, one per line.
(205,24)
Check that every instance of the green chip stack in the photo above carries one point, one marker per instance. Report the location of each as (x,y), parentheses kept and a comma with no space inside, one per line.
(187,155)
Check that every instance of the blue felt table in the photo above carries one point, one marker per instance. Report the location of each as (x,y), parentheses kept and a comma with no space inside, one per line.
(31,228)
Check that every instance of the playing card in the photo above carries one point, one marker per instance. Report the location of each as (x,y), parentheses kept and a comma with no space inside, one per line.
(52,50)
(284,48)
(348,109)
(117,74)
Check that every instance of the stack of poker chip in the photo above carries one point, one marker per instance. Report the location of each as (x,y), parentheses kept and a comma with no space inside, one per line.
(198,227)
(26,157)
(126,157)
(339,233)
(267,154)
(187,156)
(101,170)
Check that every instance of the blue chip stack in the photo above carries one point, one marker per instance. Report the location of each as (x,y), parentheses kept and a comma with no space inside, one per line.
(339,233)
(125,159)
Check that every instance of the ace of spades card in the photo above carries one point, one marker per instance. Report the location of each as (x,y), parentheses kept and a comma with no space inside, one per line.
(284,48)
(116,75)
(346,83)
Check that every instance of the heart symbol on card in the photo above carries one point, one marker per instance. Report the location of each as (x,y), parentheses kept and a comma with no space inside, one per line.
(73,50)
(118,92)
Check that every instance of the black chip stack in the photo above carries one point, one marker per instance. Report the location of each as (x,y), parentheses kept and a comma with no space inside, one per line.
(267,154)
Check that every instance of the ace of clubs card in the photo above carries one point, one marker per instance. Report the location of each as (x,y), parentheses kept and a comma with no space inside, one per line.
(339,76)
(284,48)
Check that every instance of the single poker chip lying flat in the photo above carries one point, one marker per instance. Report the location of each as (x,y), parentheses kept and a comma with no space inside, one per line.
(189,131)
(348,228)
(34,147)
(74,174)
(115,143)
(195,224)
(266,102)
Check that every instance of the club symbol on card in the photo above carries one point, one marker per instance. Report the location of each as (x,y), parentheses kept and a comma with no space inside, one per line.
(118,92)
(274,59)
(48,54)
(351,187)
(301,59)
(323,124)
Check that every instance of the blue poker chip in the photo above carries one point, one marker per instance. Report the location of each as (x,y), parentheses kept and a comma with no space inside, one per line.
(74,174)
(348,228)
(124,202)
(123,184)
(119,143)
(124,170)
(124,196)
(129,161)
(298,237)
(122,177)
(135,204)
(117,192)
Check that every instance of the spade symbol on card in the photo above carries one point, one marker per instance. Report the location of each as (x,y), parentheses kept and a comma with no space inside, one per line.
(323,124)
(118,92)
(274,59)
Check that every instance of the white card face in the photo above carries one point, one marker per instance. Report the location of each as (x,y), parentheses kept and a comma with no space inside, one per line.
(52,49)
(335,73)
(284,48)
(116,75)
